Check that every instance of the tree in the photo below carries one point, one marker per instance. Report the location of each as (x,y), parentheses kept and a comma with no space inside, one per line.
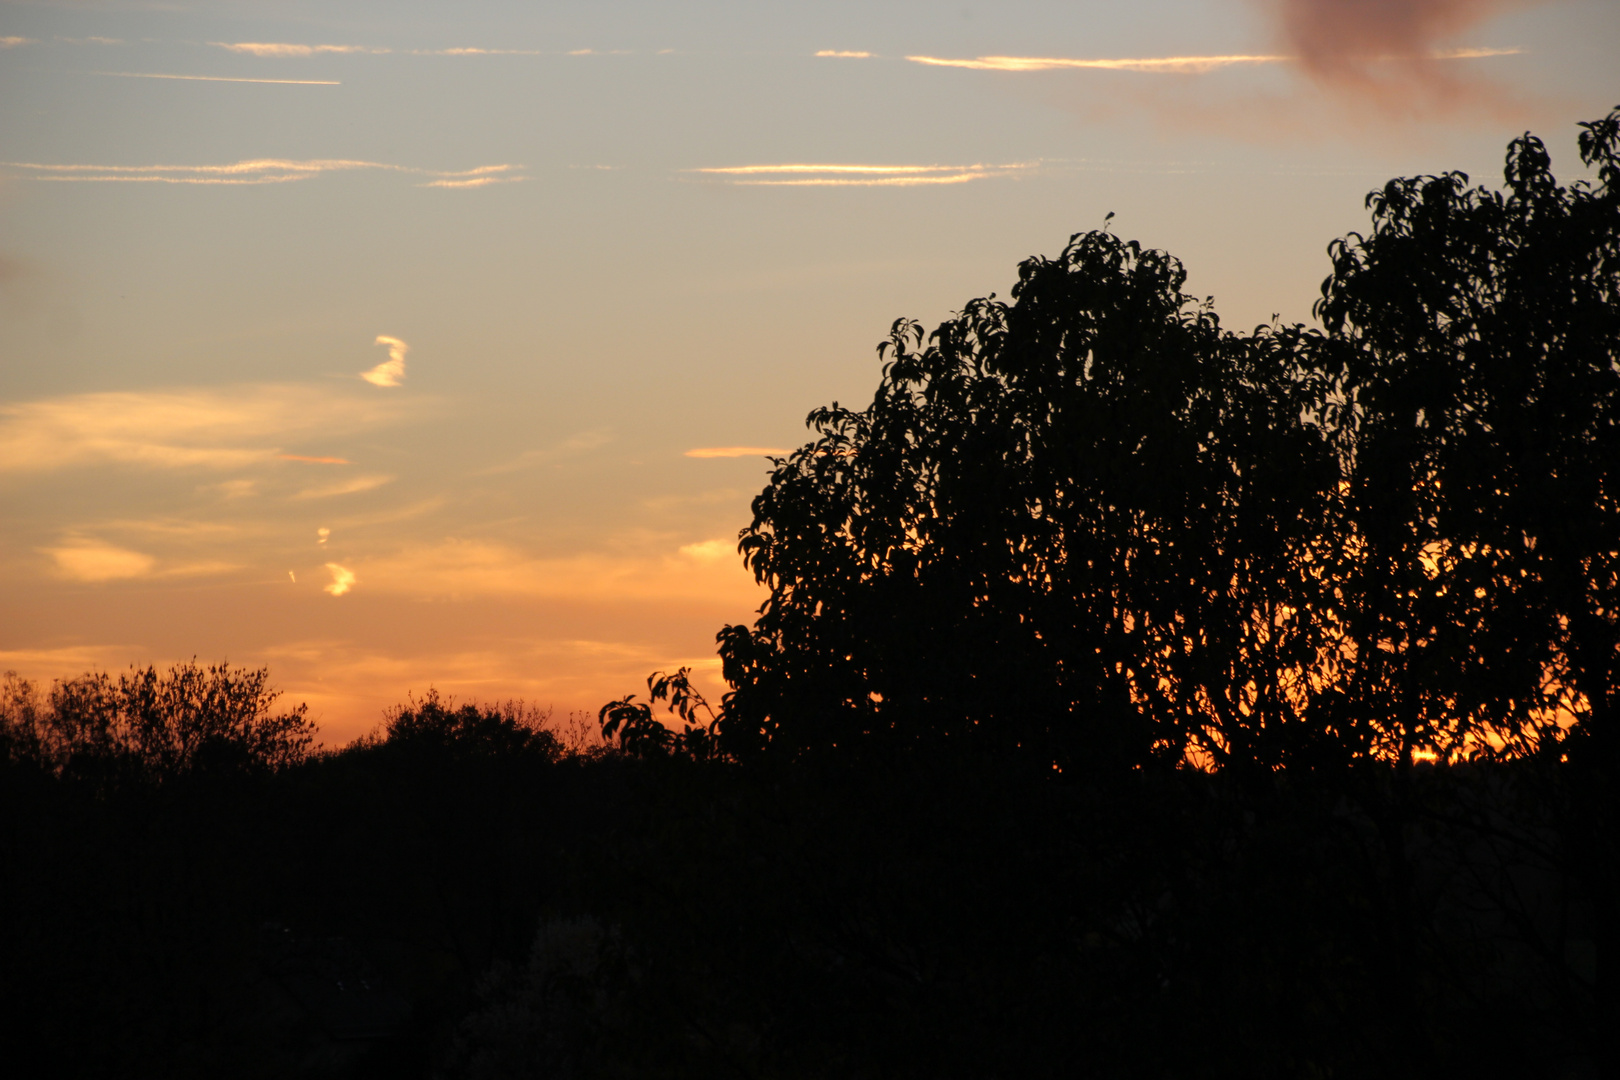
(1479,419)
(1093,523)
(440,730)
(1476,338)
(154,727)
(1085,522)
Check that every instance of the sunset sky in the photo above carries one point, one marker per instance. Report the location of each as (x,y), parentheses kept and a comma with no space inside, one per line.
(404,345)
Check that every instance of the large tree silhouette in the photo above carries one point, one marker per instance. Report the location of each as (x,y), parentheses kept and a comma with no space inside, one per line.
(1479,333)
(1092,523)
(1084,521)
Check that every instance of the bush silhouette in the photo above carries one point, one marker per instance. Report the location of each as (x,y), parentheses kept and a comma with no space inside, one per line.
(436,728)
(153,727)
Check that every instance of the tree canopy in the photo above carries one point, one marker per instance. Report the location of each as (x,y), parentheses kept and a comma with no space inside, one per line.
(149,727)
(1091,522)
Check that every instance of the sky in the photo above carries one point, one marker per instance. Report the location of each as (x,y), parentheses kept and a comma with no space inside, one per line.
(412,345)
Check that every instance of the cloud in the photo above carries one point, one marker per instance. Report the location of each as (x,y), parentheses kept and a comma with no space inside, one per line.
(342,579)
(180,528)
(1392,54)
(709,550)
(289,50)
(831,175)
(1189,65)
(247,172)
(345,487)
(226,428)
(96,561)
(284,49)
(1167,64)
(1339,38)
(481,181)
(42,665)
(233,489)
(735,451)
(474,51)
(573,446)
(390,372)
(13,42)
(314,460)
(844,54)
(457,568)
(1388,51)
(214,78)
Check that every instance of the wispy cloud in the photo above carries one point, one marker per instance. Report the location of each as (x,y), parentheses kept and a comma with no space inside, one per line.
(86,559)
(575,445)
(844,54)
(1176,64)
(314,460)
(735,451)
(477,181)
(227,428)
(13,42)
(1392,54)
(46,664)
(475,51)
(345,487)
(215,78)
(832,175)
(282,48)
(390,372)
(471,568)
(97,561)
(294,51)
(250,172)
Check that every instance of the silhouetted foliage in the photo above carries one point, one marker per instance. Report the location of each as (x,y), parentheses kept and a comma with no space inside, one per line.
(1478,412)
(1093,524)
(642,734)
(439,729)
(154,727)
(1238,587)
(1083,522)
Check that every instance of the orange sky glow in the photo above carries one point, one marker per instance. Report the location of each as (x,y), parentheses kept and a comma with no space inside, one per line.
(446,347)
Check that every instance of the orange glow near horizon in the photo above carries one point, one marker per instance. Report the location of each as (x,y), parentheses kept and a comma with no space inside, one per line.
(402,354)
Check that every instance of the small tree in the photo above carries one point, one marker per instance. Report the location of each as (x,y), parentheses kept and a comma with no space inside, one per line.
(157,726)
(435,728)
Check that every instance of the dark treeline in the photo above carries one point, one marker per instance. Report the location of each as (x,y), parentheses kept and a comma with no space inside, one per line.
(1134,698)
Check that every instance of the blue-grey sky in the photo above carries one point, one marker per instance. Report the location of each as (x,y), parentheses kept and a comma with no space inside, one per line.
(571,243)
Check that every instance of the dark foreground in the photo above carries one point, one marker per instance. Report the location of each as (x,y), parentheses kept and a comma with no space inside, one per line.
(466,898)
